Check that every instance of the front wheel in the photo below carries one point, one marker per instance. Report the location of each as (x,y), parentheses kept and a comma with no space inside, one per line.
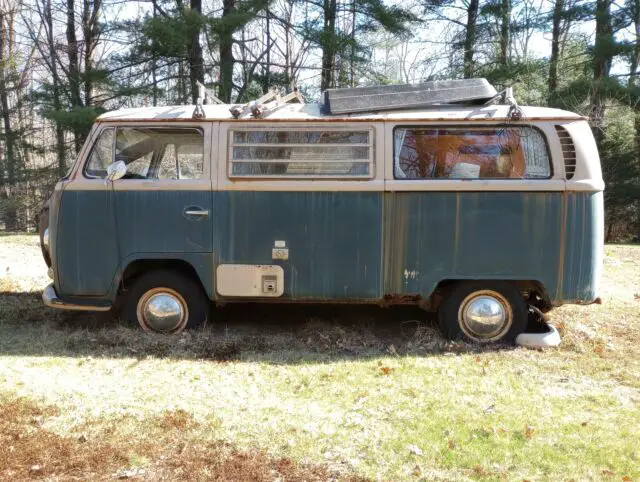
(483,312)
(165,301)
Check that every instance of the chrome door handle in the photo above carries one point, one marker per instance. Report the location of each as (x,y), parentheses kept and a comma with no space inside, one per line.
(195,212)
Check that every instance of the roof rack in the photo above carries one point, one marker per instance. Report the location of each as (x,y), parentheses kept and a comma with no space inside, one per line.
(205,96)
(408,96)
(265,105)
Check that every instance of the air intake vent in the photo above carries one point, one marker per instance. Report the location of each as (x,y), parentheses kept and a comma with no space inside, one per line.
(568,151)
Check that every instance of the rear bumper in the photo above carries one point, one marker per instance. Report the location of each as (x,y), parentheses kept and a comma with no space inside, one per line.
(52,300)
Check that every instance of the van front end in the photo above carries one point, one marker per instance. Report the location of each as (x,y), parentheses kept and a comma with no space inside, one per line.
(48,242)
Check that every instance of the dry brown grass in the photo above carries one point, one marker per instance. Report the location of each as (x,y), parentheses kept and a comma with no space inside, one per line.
(28,450)
(267,390)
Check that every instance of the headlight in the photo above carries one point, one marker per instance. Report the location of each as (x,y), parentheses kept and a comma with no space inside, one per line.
(45,239)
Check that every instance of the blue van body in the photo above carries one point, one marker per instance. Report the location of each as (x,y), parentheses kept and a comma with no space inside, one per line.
(386,246)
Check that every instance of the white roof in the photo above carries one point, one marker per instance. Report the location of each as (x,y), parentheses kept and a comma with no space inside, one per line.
(311,112)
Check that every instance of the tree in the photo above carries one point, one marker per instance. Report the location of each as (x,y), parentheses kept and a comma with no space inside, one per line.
(603,52)
(470,37)
(340,48)
(556,35)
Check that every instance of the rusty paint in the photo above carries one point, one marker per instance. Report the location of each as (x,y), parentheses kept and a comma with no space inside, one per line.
(402,298)
(562,247)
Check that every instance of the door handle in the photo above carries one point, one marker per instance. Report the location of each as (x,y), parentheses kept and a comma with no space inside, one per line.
(196,212)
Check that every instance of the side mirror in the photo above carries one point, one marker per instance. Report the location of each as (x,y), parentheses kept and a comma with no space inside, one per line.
(116,170)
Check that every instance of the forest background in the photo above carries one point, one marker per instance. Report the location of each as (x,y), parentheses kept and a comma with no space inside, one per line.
(62,63)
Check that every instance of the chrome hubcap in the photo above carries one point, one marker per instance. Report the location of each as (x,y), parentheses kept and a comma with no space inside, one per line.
(485,316)
(163,310)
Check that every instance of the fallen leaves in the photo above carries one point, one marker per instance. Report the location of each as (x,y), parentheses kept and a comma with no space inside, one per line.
(384,369)
(528,432)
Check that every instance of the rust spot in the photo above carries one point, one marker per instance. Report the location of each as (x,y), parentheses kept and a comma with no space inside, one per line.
(402,298)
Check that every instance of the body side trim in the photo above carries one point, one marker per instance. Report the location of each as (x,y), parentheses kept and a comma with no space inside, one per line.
(140,185)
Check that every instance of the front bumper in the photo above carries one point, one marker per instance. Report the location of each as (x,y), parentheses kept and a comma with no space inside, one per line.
(52,300)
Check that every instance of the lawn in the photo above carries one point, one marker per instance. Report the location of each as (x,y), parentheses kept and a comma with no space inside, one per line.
(314,393)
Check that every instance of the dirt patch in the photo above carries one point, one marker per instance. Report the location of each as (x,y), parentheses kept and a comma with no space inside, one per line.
(30,451)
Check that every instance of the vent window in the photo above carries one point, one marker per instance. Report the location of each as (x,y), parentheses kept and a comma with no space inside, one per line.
(568,151)
(320,153)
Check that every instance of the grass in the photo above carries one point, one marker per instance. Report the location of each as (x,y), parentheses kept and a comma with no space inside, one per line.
(315,393)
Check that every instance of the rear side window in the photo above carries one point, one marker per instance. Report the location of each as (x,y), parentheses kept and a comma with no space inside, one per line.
(150,153)
(289,153)
(470,153)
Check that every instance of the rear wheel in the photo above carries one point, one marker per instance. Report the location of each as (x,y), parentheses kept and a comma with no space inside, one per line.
(483,312)
(166,301)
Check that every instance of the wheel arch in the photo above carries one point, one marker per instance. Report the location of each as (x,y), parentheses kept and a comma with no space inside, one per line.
(532,290)
(137,266)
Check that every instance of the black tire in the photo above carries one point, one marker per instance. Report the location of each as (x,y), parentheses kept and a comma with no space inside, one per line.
(182,289)
(461,295)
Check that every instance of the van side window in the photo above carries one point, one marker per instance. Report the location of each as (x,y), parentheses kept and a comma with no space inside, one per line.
(470,153)
(301,153)
(155,153)
(101,155)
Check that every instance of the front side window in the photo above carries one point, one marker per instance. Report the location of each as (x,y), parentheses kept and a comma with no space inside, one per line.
(301,153)
(470,153)
(150,153)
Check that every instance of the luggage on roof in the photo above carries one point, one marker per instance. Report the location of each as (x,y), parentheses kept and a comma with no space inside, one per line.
(407,96)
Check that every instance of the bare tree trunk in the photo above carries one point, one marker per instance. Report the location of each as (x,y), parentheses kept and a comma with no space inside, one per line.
(288,38)
(74,66)
(227,60)
(601,66)
(558,9)
(11,214)
(91,31)
(352,59)
(328,45)
(505,31)
(267,73)
(47,18)
(470,38)
(633,72)
(4,102)
(196,62)
(154,60)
